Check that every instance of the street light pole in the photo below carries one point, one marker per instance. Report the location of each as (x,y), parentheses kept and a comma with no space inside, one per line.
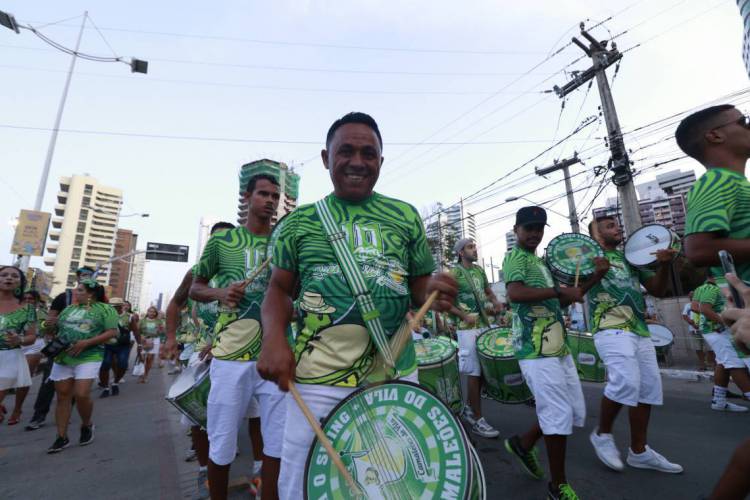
(53,138)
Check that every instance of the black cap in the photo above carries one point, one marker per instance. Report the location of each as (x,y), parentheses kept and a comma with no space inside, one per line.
(531,215)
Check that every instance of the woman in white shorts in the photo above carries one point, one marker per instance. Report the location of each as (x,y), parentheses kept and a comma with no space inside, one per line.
(151,328)
(87,325)
(17,329)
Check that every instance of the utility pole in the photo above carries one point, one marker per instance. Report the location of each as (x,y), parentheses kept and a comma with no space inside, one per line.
(564,166)
(602,59)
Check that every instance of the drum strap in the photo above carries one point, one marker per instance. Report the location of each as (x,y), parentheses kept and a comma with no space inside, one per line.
(356,281)
(474,291)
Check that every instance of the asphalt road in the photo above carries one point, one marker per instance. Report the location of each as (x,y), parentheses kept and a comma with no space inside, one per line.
(140,445)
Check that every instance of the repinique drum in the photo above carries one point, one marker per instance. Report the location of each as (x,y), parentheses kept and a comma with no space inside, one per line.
(398,441)
(565,253)
(641,247)
(189,394)
(661,336)
(590,366)
(502,375)
(438,369)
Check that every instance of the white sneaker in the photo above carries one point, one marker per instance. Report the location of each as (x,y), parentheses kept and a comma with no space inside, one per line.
(649,459)
(468,415)
(606,450)
(484,429)
(731,407)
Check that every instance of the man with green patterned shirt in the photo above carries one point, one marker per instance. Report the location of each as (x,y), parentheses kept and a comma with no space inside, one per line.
(729,363)
(229,258)
(539,345)
(718,204)
(617,316)
(471,316)
(333,353)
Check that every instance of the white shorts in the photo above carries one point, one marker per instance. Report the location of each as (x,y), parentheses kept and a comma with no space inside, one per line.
(632,371)
(35,348)
(298,436)
(82,371)
(468,361)
(155,349)
(253,408)
(14,369)
(557,390)
(233,385)
(726,354)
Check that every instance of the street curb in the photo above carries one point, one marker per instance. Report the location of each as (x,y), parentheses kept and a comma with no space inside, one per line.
(687,374)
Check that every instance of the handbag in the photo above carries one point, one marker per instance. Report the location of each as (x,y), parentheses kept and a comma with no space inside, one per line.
(139,368)
(123,336)
(55,347)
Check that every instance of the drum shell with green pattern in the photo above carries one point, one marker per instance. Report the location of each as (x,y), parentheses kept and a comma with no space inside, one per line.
(193,403)
(503,379)
(438,370)
(569,254)
(588,363)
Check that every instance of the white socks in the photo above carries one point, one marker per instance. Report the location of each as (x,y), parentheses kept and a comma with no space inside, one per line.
(720,395)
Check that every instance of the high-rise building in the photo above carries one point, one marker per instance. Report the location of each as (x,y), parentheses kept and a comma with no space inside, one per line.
(511,240)
(83,229)
(288,182)
(460,222)
(744,6)
(204,232)
(445,228)
(119,270)
(135,282)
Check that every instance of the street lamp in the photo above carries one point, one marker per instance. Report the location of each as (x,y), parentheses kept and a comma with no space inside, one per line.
(136,66)
(516,198)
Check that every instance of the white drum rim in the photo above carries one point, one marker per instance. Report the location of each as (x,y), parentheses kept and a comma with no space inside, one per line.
(641,256)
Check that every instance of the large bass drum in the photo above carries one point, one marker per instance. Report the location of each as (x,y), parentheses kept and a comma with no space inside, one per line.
(641,247)
(438,369)
(398,441)
(570,252)
(503,380)
(189,394)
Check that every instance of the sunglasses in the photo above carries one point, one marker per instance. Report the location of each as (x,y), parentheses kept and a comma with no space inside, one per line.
(743,121)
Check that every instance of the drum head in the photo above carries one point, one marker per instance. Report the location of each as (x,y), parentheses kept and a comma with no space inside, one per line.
(186,380)
(660,335)
(392,437)
(564,253)
(496,343)
(432,351)
(641,247)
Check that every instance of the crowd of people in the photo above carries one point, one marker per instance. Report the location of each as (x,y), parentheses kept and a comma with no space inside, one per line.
(311,304)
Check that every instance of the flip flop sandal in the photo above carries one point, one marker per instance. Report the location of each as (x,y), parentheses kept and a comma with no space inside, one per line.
(14,420)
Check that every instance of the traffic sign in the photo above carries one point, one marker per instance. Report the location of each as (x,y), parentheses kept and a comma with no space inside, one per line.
(165,251)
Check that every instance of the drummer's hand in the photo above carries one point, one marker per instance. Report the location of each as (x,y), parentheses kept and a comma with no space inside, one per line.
(205,354)
(740,286)
(571,294)
(232,295)
(665,255)
(276,362)
(601,266)
(470,319)
(169,350)
(448,288)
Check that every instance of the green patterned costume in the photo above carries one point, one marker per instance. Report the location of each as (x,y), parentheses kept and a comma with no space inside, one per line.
(231,256)
(18,322)
(80,322)
(470,280)
(538,328)
(719,202)
(616,302)
(388,241)
(709,293)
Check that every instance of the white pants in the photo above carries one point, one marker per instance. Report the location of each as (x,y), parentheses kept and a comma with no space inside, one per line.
(298,436)
(557,390)
(81,371)
(233,386)
(726,354)
(632,371)
(468,360)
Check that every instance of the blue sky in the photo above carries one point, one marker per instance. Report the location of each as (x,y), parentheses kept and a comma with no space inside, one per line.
(436,75)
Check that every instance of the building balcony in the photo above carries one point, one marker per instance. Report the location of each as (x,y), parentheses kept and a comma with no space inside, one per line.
(60,210)
(54,235)
(57,223)
(62,198)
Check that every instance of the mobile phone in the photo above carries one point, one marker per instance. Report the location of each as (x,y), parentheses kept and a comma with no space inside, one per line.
(727,264)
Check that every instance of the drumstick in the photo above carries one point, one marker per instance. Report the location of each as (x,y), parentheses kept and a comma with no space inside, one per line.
(423,310)
(578,271)
(322,437)
(244,283)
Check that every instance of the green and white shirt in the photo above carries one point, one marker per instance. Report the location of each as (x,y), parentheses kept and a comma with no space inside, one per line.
(470,280)
(538,327)
(231,256)
(709,293)
(18,322)
(719,202)
(616,302)
(387,239)
(151,328)
(81,322)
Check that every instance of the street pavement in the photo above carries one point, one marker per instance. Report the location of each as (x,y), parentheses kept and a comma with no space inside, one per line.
(140,446)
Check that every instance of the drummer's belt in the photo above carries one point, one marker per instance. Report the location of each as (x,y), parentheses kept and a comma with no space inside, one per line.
(356,281)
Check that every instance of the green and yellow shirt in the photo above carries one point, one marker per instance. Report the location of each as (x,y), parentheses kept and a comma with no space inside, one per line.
(709,293)
(151,328)
(469,281)
(538,327)
(81,322)
(387,239)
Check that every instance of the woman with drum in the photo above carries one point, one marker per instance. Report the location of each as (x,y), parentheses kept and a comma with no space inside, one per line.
(150,328)
(471,317)
(84,327)
(539,345)
(622,338)
(17,329)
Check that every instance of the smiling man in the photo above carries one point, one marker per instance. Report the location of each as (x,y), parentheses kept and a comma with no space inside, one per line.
(334,351)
